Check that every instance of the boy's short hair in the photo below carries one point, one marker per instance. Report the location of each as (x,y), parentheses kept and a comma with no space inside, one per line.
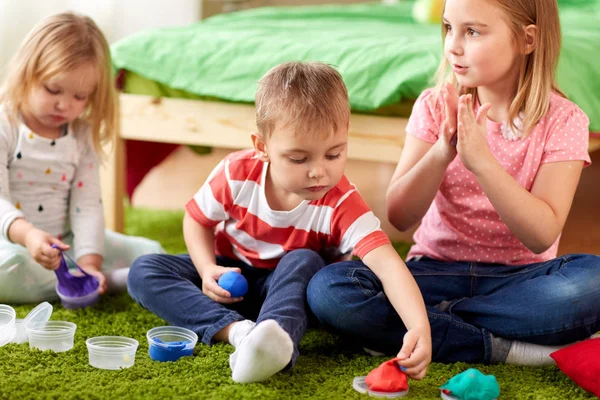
(309,97)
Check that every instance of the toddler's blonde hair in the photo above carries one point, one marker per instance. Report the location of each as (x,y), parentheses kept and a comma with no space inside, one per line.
(309,97)
(54,47)
(537,77)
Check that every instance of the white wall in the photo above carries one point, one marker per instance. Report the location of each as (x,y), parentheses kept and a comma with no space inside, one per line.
(116,18)
(134,15)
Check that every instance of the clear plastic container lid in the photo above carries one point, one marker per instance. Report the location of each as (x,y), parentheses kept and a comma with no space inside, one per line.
(41,313)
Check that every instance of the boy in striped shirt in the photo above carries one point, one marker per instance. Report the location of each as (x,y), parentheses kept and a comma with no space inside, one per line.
(277,213)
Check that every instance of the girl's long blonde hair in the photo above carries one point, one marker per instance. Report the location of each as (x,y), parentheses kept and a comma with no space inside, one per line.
(537,77)
(54,47)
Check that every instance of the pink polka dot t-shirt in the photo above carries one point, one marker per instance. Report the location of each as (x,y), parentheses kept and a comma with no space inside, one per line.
(461,223)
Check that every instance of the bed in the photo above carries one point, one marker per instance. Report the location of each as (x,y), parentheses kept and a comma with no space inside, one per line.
(195,84)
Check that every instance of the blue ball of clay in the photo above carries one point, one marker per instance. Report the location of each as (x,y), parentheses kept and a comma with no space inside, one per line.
(234,283)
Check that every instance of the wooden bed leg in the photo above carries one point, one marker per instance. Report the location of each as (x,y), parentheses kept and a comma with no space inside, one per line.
(112,182)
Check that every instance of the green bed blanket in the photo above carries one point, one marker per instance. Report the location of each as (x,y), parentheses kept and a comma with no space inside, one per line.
(383,55)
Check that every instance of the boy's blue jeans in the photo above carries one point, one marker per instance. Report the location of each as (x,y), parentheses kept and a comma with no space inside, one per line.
(170,287)
(550,303)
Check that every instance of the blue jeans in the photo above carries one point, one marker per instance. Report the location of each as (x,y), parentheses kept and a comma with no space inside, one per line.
(170,287)
(469,305)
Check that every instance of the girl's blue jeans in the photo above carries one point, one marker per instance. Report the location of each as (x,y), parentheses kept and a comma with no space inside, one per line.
(171,288)
(468,304)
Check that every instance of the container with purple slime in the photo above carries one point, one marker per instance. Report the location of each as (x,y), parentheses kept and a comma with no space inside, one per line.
(75,291)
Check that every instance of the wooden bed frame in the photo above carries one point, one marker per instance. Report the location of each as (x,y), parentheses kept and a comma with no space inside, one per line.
(223,125)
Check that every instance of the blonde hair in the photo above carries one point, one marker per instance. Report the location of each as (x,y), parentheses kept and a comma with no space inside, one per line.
(310,97)
(55,46)
(537,76)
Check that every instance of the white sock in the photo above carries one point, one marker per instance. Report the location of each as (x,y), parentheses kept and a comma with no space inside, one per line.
(523,353)
(373,353)
(266,350)
(239,330)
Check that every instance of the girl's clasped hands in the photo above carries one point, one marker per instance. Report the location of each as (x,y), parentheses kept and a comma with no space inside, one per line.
(463,131)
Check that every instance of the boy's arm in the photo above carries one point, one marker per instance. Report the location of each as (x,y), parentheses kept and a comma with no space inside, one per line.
(204,211)
(200,242)
(404,295)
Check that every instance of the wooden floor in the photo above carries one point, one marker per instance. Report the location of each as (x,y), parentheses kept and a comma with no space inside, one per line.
(177,179)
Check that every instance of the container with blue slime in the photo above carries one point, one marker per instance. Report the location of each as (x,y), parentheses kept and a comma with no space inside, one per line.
(170,343)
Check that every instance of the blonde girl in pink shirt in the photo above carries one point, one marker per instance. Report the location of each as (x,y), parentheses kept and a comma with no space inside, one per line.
(490,166)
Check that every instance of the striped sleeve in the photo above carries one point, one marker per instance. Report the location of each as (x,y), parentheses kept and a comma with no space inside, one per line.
(212,202)
(354,227)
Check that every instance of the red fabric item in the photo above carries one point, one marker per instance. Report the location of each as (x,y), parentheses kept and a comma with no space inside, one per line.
(387,378)
(141,157)
(120,80)
(581,363)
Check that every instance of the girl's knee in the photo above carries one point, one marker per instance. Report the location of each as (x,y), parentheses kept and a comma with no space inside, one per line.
(132,245)
(578,281)
(593,263)
(15,257)
(586,260)
(153,247)
(22,279)
(582,269)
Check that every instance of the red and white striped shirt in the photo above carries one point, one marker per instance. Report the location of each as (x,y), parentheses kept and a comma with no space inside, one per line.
(233,199)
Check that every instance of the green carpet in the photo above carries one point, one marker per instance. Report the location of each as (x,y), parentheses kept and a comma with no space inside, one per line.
(324,370)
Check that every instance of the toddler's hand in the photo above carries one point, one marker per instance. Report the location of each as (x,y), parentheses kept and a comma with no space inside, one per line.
(94,271)
(39,244)
(210,287)
(415,354)
(448,130)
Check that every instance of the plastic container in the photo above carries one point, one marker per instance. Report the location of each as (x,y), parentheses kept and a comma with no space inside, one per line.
(75,290)
(41,313)
(57,336)
(170,343)
(111,352)
(78,302)
(20,332)
(8,318)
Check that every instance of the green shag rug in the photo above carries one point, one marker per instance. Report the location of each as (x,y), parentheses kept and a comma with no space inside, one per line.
(324,370)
